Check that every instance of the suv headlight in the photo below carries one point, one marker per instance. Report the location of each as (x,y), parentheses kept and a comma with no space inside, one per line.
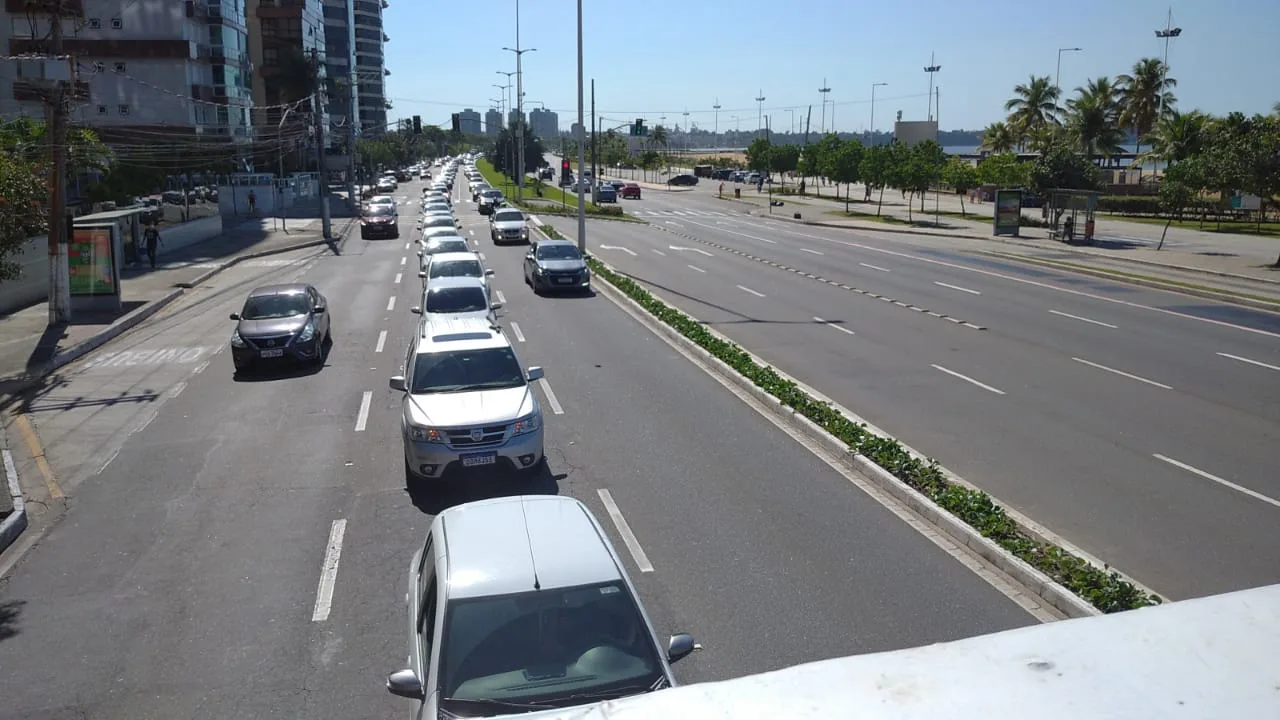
(526,425)
(308,332)
(425,434)
(236,340)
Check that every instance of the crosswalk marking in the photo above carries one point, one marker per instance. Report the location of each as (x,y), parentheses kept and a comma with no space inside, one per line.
(680,213)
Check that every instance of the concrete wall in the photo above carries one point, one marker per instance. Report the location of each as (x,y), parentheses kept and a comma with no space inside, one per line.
(32,285)
(190,233)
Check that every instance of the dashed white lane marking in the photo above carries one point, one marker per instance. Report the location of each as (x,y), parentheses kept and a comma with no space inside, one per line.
(735,232)
(1082,319)
(382,341)
(874,267)
(1121,373)
(968,379)
(329,571)
(397,280)
(515,328)
(406,246)
(404,260)
(551,397)
(956,287)
(1221,481)
(362,417)
(177,389)
(501,298)
(624,530)
(482,257)
(473,232)
(832,324)
(1251,362)
(695,267)
(811,252)
(658,251)
(746,289)
(391,303)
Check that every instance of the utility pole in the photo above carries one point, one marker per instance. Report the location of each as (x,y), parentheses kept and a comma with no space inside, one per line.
(931,68)
(317,102)
(595,168)
(582,147)
(759,110)
(56,134)
(823,90)
(717,109)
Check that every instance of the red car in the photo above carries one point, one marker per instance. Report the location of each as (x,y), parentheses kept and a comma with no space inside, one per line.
(630,190)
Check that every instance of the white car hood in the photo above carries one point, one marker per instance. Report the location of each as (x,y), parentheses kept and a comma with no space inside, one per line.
(484,407)
(509,225)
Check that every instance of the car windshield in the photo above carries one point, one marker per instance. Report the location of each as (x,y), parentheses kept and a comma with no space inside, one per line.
(509,216)
(380,210)
(438,245)
(558,648)
(439,221)
(456,300)
(558,252)
(463,370)
(456,268)
(492,194)
(281,305)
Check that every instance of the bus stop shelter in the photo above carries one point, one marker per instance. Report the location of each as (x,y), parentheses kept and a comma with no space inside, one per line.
(1071,215)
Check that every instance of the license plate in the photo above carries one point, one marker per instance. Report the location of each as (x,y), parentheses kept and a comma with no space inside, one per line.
(273,353)
(564,281)
(479,459)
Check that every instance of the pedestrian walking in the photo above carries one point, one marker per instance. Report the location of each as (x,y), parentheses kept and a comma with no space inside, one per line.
(152,238)
(253,203)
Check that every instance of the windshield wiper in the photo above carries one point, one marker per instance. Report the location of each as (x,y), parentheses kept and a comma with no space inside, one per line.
(526,705)
(618,692)
(492,384)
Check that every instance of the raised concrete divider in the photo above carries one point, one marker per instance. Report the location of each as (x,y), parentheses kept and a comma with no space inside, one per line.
(15,522)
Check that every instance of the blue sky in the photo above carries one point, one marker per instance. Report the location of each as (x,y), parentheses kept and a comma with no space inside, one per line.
(662,57)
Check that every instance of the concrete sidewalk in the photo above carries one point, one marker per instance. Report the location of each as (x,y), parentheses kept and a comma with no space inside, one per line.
(31,347)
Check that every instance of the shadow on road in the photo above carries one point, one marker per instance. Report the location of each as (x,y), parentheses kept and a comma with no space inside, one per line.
(468,485)
(9,612)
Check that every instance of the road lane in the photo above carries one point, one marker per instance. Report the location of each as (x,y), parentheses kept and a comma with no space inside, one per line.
(1068,443)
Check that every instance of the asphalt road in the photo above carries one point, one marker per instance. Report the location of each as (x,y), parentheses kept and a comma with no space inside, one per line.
(183,580)
(1140,425)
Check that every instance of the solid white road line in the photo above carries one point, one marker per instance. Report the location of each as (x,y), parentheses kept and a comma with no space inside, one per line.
(329,571)
(695,267)
(382,341)
(1083,319)
(482,257)
(674,224)
(658,251)
(1251,362)
(832,324)
(501,298)
(956,287)
(515,328)
(362,417)
(874,267)
(551,397)
(397,280)
(968,379)
(811,252)
(1122,373)
(391,303)
(1225,483)
(404,260)
(628,537)
(746,289)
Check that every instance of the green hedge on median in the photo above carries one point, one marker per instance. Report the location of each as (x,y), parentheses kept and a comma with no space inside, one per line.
(1105,590)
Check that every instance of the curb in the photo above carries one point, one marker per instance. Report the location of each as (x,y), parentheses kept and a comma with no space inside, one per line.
(1220,296)
(13,525)
(1035,582)
(25,381)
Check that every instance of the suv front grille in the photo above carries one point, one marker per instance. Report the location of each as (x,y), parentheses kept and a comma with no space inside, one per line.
(490,435)
(265,343)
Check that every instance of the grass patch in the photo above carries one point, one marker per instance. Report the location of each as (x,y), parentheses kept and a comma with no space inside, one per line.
(1102,588)
(553,201)
(1269,229)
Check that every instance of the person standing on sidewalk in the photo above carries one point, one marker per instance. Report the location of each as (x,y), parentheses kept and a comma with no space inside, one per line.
(152,237)
(253,204)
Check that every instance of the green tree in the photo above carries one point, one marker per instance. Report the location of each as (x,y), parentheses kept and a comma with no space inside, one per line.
(818,157)
(914,169)
(24,140)
(1003,170)
(1063,168)
(1181,185)
(876,171)
(1179,136)
(759,154)
(961,175)
(22,211)
(1033,106)
(1092,119)
(845,165)
(784,159)
(1141,93)
(999,137)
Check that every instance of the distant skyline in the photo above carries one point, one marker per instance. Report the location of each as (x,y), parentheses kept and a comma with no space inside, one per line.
(665,58)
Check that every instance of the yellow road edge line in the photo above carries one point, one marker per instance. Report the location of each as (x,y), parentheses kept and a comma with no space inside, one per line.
(32,440)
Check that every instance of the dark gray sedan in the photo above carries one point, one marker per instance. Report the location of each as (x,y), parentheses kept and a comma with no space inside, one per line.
(556,265)
(281,323)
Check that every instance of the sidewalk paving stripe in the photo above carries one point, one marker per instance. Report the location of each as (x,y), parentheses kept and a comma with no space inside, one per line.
(32,441)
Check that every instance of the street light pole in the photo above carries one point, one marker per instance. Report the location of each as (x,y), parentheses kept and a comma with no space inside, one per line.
(716,107)
(872,139)
(1057,74)
(582,146)
(686,131)
(824,90)
(931,68)
(1168,33)
(519,107)
(792,124)
(759,111)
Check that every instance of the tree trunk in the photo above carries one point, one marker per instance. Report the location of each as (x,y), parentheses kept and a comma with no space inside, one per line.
(910,203)
(880,203)
(1165,231)
(962,212)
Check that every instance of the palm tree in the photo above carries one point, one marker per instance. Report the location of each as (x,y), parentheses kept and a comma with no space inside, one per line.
(1178,136)
(1034,105)
(1092,123)
(998,138)
(1141,95)
(1103,92)
(659,137)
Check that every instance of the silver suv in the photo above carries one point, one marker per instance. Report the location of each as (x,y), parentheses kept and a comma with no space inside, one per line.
(467,401)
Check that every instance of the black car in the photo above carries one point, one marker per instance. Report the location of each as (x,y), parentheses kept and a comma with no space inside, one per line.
(687,180)
(379,221)
(556,265)
(281,323)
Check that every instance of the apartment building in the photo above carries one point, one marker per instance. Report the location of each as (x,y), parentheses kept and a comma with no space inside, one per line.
(493,121)
(286,41)
(544,123)
(371,94)
(145,70)
(340,61)
(470,121)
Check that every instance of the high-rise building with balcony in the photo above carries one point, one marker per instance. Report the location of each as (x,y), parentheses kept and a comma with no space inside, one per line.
(145,70)
(470,122)
(340,61)
(286,43)
(544,123)
(493,121)
(371,94)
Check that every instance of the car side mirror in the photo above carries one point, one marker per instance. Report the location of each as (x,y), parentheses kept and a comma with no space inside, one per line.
(319,309)
(415,310)
(488,272)
(419,253)
(536,373)
(405,683)
(496,306)
(423,275)
(680,645)
(397,383)
(235,316)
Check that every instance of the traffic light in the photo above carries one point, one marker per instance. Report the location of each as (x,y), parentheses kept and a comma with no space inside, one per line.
(564,172)
(457,123)
(638,128)
(417,124)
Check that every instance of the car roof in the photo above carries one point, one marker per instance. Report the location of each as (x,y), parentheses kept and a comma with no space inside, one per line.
(430,232)
(281,289)
(377,199)
(442,237)
(436,217)
(552,242)
(509,211)
(454,281)
(466,331)
(454,256)
(516,544)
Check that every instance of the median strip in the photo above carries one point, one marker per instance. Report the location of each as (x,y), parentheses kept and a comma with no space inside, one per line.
(1104,589)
